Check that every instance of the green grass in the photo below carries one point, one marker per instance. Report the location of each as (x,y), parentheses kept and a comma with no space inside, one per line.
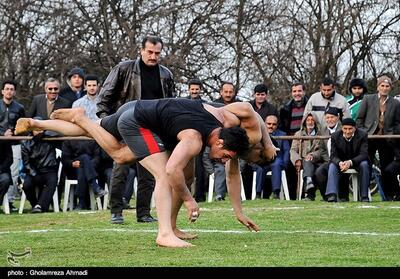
(294,233)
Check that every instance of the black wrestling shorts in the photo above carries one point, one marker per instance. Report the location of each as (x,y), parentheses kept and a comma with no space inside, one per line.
(123,126)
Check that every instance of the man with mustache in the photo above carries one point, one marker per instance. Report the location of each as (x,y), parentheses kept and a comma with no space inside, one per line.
(140,79)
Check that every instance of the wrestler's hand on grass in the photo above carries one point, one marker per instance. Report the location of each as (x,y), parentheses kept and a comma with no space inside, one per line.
(193,209)
(247,222)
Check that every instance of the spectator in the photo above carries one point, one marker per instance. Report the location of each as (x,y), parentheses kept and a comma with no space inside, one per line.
(195,87)
(276,167)
(349,150)
(81,160)
(44,104)
(290,118)
(379,114)
(327,97)
(143,78)
(40,166)
(75,87)
(90,100)
(302,152)
(6,160)
(260,102)
(10,112)
(357,89)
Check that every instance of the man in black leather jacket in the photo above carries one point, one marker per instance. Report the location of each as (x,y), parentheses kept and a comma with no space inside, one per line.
(143,78)
(10,112)
(40,166)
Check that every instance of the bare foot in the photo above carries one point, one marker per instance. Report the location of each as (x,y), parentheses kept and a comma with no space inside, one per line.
(71,115)
(172,242)
(183,235)
(25,125)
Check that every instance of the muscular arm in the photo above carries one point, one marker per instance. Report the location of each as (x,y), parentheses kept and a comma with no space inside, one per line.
(233,184)
(254,125)
(189,146)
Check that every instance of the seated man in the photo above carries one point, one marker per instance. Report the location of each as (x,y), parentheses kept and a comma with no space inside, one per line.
(302,153)
(183,127)
(40,166)
(349,149)
(6,160)
(81,159)
(281,162)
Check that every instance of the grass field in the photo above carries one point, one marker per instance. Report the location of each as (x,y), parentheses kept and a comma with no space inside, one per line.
(294,233)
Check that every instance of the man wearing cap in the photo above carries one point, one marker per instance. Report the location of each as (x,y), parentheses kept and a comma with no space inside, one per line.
(357,90)
(332,124)
(349,149)
(75,88)
(379,114)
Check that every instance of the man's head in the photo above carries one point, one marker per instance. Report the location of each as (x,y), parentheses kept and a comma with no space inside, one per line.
(327,87)
(195,86)
(331,117)
(52,88)
(309,123)
(231,141)
(91,84)
(260,93)
(8,90)
(272,123)
(151,50)
(348,127)
(357,87)
(227,92)
(298,91)
(384,84)
(76,77)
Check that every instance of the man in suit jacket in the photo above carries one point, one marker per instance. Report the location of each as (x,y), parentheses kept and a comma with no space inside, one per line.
(379,114)
(44,104)
(349,149)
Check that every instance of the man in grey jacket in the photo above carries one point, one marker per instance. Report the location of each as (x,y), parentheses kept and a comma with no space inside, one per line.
(143,78)
(379,114)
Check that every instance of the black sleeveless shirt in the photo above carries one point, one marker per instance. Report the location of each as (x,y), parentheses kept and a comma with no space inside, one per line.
(168,117)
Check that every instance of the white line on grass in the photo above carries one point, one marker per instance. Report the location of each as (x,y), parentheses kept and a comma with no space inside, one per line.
(204,231)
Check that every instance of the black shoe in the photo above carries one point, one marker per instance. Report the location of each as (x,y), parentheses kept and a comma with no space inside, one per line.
(258,196)
(37,209)
(331,198)
(365,200)
(344,200)
(219,198)
(146,219)
(309,198)
(117,218)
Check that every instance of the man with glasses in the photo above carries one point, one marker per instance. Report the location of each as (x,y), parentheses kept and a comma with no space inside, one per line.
(44,104)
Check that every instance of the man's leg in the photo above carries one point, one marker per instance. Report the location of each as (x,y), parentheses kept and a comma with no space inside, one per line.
(145,190)
(177,204)
(46,197)
(83,127)
(117,187)
(163,195)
